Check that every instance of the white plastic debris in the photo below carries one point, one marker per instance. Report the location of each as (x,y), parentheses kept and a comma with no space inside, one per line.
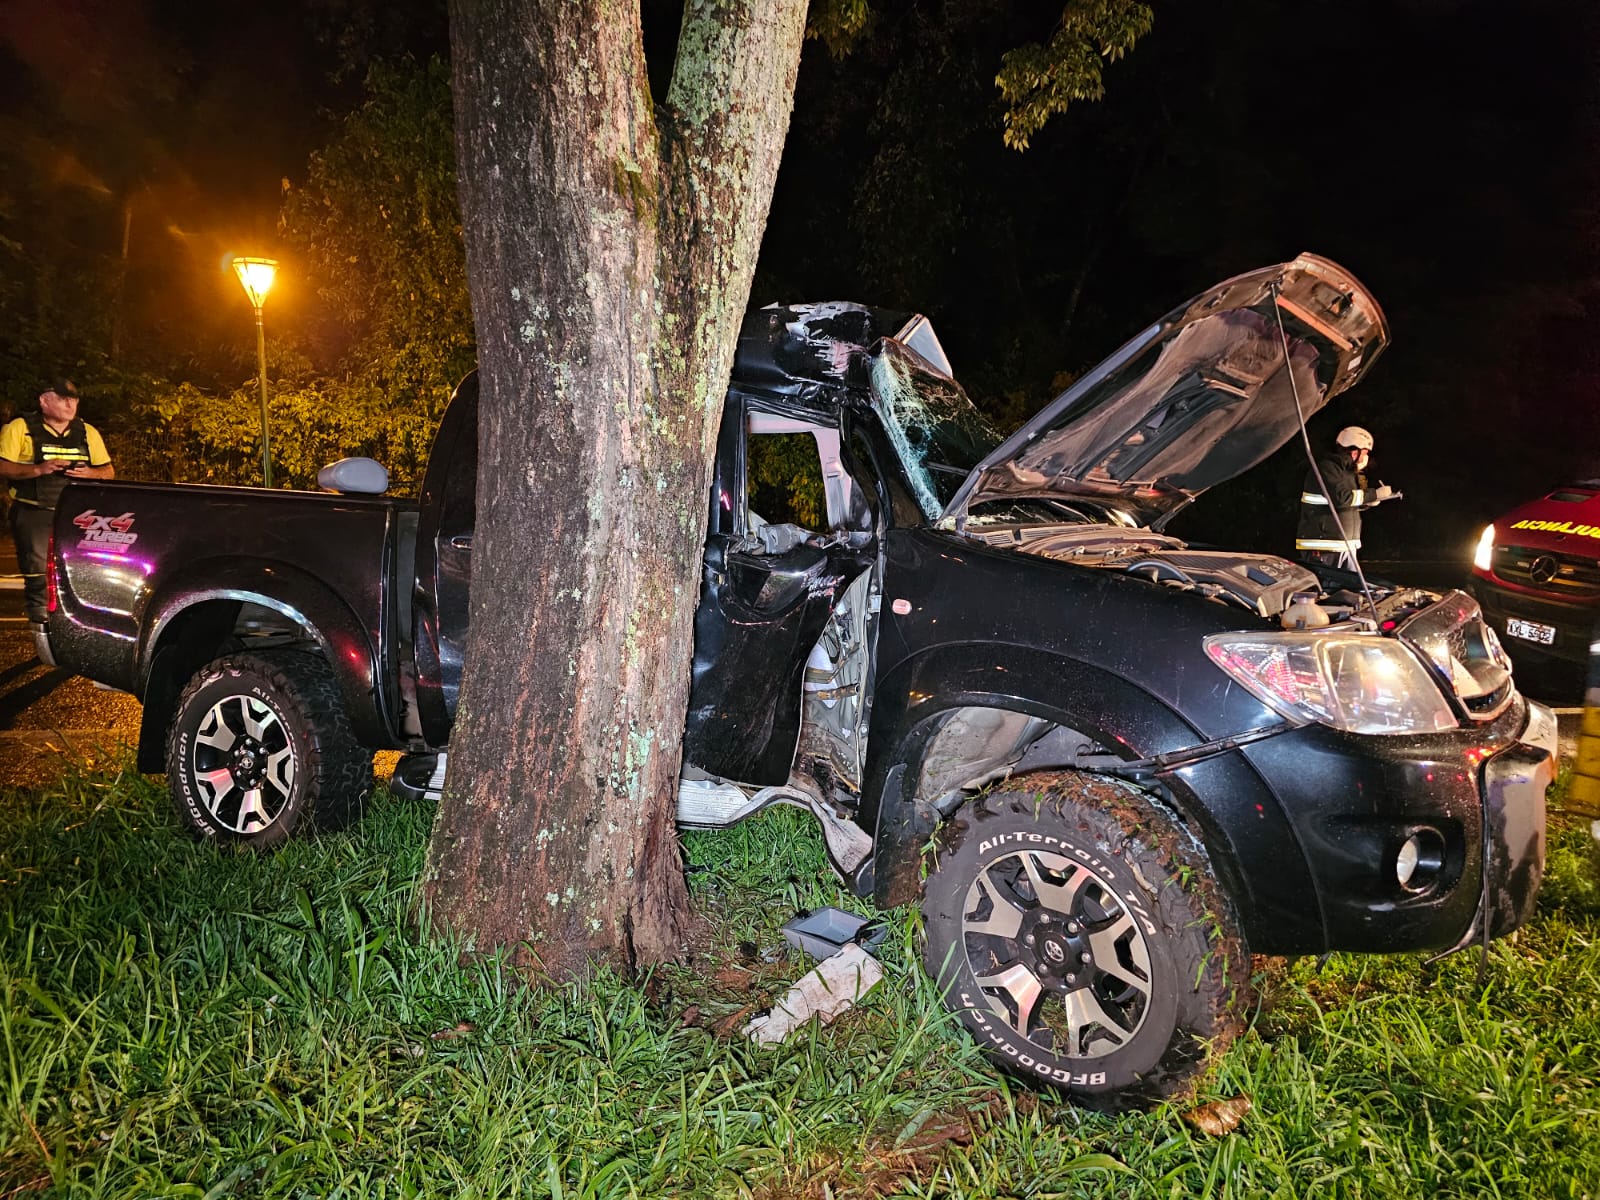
(836,983)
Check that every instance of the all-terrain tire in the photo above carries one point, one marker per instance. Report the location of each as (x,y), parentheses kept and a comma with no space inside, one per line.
(261,748)
(1078,931)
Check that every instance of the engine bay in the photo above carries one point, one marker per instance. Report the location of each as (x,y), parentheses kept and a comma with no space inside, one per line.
(1264,584)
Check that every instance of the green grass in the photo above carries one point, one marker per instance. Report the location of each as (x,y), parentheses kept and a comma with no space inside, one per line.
(177,1021)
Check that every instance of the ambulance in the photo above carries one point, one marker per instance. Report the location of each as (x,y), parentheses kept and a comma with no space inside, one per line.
(1536,574)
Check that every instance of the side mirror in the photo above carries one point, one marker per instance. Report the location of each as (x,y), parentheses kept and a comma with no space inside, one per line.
(354,476)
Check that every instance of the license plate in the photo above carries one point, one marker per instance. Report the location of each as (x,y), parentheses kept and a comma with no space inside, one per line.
(1530,631)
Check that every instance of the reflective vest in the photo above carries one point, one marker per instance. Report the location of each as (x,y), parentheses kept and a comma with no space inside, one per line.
(1325,526)
(70,446)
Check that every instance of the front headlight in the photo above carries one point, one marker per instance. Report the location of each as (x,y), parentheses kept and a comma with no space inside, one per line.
(1360,683)
(1483,556)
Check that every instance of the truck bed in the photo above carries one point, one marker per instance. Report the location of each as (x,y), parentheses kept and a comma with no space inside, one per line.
(162,568)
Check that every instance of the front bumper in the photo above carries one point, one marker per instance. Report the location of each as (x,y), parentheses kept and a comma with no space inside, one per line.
(1514,785)
(1574,623)
(1354,801)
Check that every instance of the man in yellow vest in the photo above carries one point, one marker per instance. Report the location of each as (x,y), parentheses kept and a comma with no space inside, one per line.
(39,452)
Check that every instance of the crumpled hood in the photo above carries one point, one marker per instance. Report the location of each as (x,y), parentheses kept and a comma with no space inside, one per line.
(1197,398)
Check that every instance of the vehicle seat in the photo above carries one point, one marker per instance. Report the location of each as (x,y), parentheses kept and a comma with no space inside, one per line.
(775,539)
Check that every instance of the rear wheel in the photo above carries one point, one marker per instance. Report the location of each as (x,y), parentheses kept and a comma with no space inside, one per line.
(260,747)
(1080,935)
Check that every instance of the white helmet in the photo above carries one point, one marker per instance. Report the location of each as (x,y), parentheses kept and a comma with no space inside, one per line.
(1353,437)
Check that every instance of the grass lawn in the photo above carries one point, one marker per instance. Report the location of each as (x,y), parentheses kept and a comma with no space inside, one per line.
(175,1021)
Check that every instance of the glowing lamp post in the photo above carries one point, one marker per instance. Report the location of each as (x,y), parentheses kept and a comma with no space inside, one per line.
(256,276)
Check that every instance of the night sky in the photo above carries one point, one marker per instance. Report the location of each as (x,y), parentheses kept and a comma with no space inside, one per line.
(1445,152)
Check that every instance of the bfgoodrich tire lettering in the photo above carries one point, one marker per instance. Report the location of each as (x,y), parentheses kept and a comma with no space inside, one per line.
(260,747)
(1080,935)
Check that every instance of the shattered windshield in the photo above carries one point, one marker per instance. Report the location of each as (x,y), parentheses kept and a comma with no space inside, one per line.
(939,435)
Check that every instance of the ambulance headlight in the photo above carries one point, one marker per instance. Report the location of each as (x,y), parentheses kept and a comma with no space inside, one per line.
(1483,556)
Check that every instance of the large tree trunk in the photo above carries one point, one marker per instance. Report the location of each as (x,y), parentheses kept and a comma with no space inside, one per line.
(609,262)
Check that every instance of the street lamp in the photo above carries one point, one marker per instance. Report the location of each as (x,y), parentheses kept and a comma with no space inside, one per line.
(256,276)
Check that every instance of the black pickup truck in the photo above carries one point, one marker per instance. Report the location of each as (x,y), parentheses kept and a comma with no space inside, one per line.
(1106,762)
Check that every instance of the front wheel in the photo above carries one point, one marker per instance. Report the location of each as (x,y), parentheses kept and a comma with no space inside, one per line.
(1081,937)
(260,746)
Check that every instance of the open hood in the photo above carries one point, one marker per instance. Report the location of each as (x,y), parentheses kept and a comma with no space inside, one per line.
(1197,398)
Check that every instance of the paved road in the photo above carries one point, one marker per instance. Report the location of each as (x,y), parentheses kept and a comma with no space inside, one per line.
(46,713)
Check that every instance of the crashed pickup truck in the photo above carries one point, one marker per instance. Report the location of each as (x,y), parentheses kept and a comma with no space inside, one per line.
(1106,764)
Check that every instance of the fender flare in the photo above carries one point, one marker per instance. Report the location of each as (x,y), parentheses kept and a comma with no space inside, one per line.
(298,596)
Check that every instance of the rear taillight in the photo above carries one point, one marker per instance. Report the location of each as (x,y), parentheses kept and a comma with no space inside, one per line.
(50,574)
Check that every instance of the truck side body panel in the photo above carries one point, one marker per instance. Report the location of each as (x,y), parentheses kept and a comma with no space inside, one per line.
(979,635)
(132,558)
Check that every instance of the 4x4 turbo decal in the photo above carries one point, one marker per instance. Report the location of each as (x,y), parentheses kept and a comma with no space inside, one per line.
(106,533)
(1559,527)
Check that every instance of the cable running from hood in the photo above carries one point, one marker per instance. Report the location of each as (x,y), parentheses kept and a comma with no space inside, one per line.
(1305,438)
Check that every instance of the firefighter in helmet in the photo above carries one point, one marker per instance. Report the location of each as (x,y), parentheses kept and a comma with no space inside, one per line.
(1330,510)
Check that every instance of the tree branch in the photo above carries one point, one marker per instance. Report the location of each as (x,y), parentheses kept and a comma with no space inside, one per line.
(726,118)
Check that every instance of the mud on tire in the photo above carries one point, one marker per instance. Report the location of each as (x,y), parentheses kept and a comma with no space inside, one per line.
(261,747)
(1079,933)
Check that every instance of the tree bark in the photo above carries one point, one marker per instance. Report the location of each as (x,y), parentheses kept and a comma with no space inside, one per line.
(610,248)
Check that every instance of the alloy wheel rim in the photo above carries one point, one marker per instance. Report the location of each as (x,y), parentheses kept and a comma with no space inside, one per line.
(243,763)
(1057,956)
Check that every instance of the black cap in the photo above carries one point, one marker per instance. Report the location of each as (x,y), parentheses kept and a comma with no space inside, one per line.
(61,387)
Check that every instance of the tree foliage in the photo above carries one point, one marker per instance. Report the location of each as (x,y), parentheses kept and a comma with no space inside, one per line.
(837,24)
(78,148)
(53,277)
(378,233)
(785,480)
(1040,81)
(373,233)
(184,434)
